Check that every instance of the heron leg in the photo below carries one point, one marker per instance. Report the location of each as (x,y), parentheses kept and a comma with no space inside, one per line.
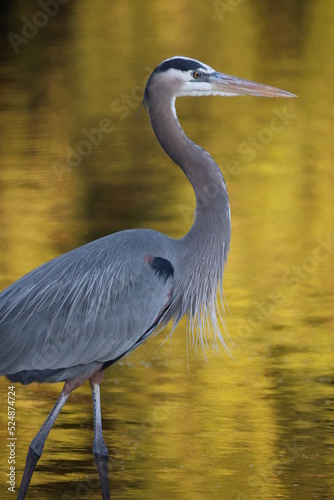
(37,444)
(99,446)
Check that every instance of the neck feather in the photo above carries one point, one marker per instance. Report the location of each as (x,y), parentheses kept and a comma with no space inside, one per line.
(201,170)
(203,250)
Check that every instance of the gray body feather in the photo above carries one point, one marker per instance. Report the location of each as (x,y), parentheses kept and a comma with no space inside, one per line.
(89,306)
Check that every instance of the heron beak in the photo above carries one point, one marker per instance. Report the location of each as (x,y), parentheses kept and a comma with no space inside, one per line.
(231,85)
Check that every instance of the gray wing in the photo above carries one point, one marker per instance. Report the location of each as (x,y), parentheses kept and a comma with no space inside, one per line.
(87,307)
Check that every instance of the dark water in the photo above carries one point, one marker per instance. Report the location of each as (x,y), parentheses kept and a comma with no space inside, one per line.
(78,163)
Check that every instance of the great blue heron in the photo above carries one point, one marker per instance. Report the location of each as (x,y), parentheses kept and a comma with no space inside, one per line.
(74,316)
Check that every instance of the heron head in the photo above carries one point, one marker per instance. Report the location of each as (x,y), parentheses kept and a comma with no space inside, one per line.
(182,76)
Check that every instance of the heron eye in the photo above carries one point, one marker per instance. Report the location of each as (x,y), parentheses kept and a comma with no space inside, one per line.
(197,74)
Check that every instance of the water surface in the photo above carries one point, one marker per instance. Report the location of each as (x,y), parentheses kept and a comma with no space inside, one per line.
(258,425)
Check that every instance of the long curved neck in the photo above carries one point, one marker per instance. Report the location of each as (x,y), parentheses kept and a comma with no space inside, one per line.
(201,254)
(201,170)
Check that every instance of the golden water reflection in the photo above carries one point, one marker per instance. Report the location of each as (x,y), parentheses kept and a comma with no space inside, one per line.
(255,426)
